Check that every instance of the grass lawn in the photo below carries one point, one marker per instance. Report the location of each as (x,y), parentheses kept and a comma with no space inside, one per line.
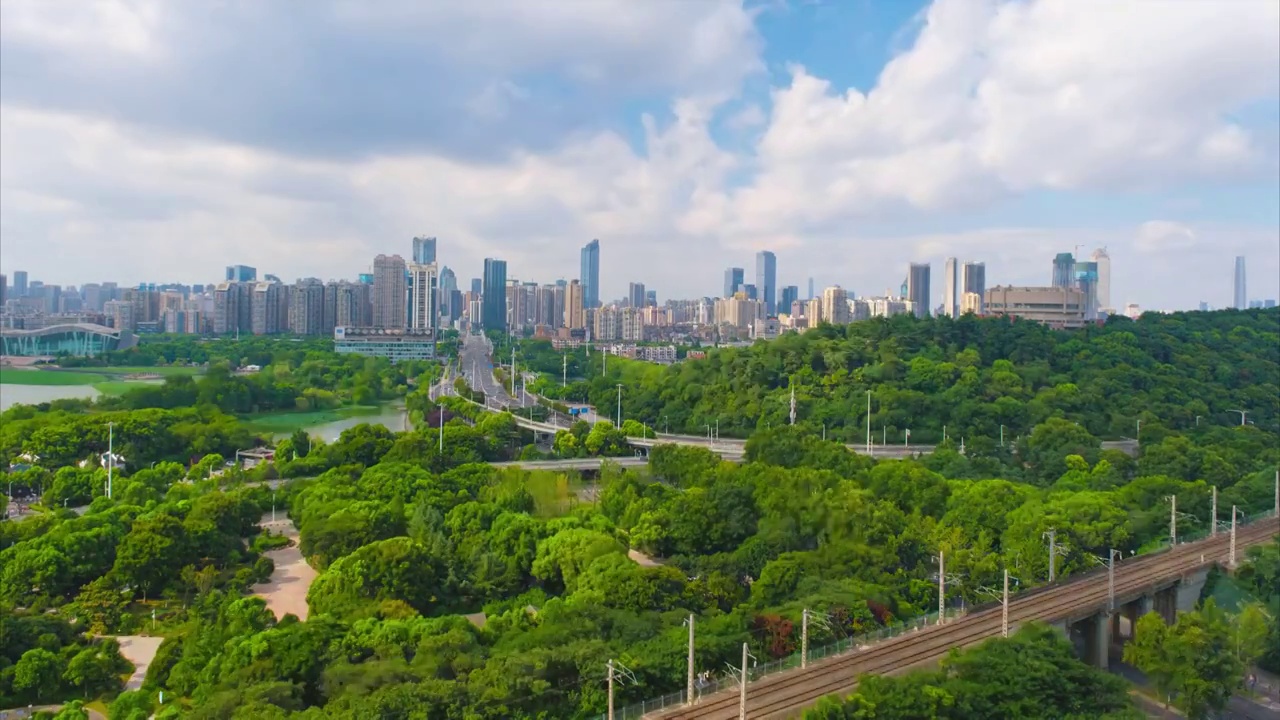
(164,370)
(11,376)
(287,422)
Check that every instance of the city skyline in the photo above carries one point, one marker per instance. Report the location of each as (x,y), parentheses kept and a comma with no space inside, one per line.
(842,137)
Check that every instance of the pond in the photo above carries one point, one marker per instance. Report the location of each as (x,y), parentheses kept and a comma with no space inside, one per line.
(13,394)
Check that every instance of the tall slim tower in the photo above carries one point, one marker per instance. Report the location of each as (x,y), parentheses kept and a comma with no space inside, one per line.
(1103,260)
(1241,296)
(810,289)
(590,275)
(423,294)
(390,291)
(767,281)
(494,298)
(918,288)
(574,315)
(424,250)
(949,301)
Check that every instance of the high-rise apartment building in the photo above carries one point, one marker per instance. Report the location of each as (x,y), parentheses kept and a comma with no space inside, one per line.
(19,283)
(918,288)
(241,273)
(424,250)
(635,295)
(835,305)
(650,298)
(733,279)
(493,313)
(423,295)
(974,281)
(590,274)
(950,300)
(477,286)
(1064,270)
(767,281)
(1103,260)
(307,306)
(390,292)
(353,305)
(1240,296)
(270,308)
(574,306)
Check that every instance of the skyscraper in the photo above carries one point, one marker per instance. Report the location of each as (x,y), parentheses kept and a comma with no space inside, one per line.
(424,250)
(767,281)
(974,281)
(390,292)
(448,286)
(590,274)
(19,283)
(1103,260)
(635,295)
(241,273)
(733,279)
(949,299)
(1064,270)
(1241,296)
(810,288)
(423,296)
(789,295)
(918,288)
(493,314)
(477,286)
(1087,282)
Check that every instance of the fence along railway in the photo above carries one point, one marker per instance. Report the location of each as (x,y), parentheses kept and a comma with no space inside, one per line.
(1139,584)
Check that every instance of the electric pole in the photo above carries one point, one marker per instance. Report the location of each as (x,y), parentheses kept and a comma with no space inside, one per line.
(440,415)
(1053,550)
(1213,524)
(870,451)
(1173,521)
(619,406)
(1111,580)
(611,690)
(689,685)
(942,588)
(1004,609)
(1231,558)
(564,372)
(111,455)
(513,369)
(804,639)
(742,689)
(793,406)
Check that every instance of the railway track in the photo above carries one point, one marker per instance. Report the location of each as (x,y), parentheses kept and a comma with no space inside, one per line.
(786,693)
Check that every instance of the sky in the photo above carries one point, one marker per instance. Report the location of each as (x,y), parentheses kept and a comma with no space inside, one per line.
(145,140)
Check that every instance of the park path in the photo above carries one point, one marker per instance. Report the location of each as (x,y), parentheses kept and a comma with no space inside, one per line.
(286,591)
(139,650)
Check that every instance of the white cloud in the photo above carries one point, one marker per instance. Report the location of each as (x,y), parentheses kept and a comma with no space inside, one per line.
(991,100)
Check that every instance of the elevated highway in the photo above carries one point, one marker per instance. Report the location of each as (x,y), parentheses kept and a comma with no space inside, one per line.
(1140,582)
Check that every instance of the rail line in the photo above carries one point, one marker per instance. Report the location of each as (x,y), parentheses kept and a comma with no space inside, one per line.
(777,695)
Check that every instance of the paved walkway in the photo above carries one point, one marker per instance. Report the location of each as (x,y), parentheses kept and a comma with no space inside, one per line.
(286,591)
(139,650)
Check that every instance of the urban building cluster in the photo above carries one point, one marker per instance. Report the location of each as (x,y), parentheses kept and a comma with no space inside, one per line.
(398,309)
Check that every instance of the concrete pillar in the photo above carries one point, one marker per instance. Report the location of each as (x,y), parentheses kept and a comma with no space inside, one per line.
(1100,644)
(1145,604)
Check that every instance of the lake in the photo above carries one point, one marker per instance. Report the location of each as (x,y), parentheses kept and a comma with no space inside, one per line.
(391,416)
(11,394)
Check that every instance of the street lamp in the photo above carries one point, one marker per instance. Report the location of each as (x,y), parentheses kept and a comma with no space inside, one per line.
(666,427)
(1243,413)
(869,450)
(906,438)
(619,405)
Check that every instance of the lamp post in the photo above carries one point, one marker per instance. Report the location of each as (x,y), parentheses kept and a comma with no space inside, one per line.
(619,405)
(111,455)
(869,449)
(906,438)
(1243,414)
(1001,436)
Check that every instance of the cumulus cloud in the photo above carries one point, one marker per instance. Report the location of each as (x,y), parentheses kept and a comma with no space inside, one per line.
(149,140)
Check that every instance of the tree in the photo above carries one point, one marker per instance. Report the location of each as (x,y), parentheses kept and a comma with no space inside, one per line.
(301,442)
(1194,660)
(38,673)
(97,668)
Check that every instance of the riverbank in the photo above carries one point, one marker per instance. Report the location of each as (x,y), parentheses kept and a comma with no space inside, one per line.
(285,422)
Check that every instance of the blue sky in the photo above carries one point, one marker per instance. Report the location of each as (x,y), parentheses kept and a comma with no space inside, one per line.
(145,140)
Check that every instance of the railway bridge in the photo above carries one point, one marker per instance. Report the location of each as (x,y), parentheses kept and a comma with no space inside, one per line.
(1093,609)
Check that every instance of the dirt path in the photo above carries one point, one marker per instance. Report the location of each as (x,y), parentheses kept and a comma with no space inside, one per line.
(286,591)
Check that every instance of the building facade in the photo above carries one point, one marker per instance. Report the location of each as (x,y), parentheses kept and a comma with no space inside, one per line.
(733,279)
(390,292)
(973,282)
(1057,307)
(950,298)
(1240,293)
(590,274)
(493,314)
(918,288)
(395,344)
(423,294)
(767,281)
(424,250)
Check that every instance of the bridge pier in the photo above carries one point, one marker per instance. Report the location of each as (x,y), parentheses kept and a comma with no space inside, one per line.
(1097,639)
(1188,590)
